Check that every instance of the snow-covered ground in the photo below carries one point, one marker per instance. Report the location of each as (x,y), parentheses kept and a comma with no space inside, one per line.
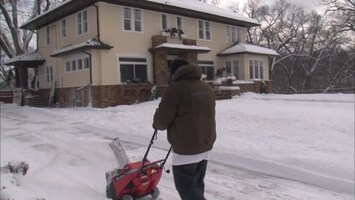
(280,147)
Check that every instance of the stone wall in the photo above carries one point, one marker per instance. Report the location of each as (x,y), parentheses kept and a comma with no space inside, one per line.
(105,96)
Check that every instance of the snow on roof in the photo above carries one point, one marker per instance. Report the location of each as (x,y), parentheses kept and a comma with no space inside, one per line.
(197,6)
(46,12)
(206,8)
(92,43)
(248,48)
(31,56)
(182,46)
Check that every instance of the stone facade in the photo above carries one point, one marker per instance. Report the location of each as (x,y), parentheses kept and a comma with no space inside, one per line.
(104,96)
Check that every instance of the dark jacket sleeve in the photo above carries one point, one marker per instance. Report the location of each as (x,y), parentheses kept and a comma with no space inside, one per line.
(165,113)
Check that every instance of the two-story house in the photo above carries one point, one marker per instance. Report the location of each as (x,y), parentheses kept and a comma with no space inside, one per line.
(111,52)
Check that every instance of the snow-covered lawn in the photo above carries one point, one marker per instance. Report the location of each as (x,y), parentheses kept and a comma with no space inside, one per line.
(280,147)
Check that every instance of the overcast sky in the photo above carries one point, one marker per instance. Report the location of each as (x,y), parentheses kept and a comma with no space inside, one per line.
(311,4)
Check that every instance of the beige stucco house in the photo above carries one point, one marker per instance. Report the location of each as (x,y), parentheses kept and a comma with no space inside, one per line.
(111,52)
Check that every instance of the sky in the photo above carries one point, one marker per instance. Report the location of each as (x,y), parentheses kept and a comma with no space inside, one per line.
(269,147)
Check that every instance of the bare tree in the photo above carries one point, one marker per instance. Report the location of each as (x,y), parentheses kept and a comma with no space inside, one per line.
(13,40)
(305,41)
(212,2)
(342,13)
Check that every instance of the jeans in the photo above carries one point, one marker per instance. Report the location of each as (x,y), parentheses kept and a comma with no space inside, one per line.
(189,180)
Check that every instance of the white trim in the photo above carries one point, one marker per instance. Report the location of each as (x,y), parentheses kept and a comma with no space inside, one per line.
(132,20)
(76,60)
(82,22)
(182,23)
(161,21)
(140,56)
(65,28)
(204,29)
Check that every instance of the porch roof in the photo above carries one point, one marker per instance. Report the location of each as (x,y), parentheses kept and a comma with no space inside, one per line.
(247,48)
(89,44)
(180,48)
(31,58)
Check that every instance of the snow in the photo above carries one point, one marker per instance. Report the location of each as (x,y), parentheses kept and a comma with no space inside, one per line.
(243,48)
(182,46)
(31,56)
(88,43)
(206,8)
(186,4)
(280,147)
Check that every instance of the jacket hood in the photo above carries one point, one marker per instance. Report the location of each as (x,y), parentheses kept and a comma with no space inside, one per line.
(188,72)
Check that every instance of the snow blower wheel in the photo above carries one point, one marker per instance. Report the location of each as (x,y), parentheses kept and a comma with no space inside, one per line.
(127,197)
(155,193)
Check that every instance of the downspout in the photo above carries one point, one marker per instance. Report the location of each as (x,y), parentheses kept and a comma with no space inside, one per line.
(89,85)
(90,58)
(97,22)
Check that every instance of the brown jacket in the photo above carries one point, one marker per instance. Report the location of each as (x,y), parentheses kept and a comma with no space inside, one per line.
(187,111)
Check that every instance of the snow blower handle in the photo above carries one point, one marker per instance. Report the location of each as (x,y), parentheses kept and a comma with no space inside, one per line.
(154,137)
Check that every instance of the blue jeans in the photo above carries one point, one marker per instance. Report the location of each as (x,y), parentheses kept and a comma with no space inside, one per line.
(189,180)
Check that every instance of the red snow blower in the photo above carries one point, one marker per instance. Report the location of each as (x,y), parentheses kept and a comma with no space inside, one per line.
(136,179)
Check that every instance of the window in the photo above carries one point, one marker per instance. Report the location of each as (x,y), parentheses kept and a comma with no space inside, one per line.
(204,30)
(133,70)
(164,22)
(80,64)
(207,69)
(236,69)
(82,19)
(256,69)
(49,74)
(48,35)
(77,64)
(232,68)
(179,23)
(64,28)
(229,67)
(86,63)
(132,19)
(67,66)
(73,65)
(233,34)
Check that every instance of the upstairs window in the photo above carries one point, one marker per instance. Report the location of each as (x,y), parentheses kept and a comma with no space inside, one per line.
(233,34)
(48,35)
(179,23)
(82,22)
(64,28)
(164,22)
(132,19)
(204,30)
(133,70)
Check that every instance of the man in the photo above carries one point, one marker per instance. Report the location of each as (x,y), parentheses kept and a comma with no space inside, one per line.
(187,111)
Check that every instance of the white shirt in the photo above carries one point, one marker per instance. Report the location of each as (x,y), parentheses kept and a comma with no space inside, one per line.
(179,159)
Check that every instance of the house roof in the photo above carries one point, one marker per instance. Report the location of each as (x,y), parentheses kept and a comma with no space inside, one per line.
(89,44)
(189,8)
(208,10)
(178,48)
(30,57)
(247,48)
